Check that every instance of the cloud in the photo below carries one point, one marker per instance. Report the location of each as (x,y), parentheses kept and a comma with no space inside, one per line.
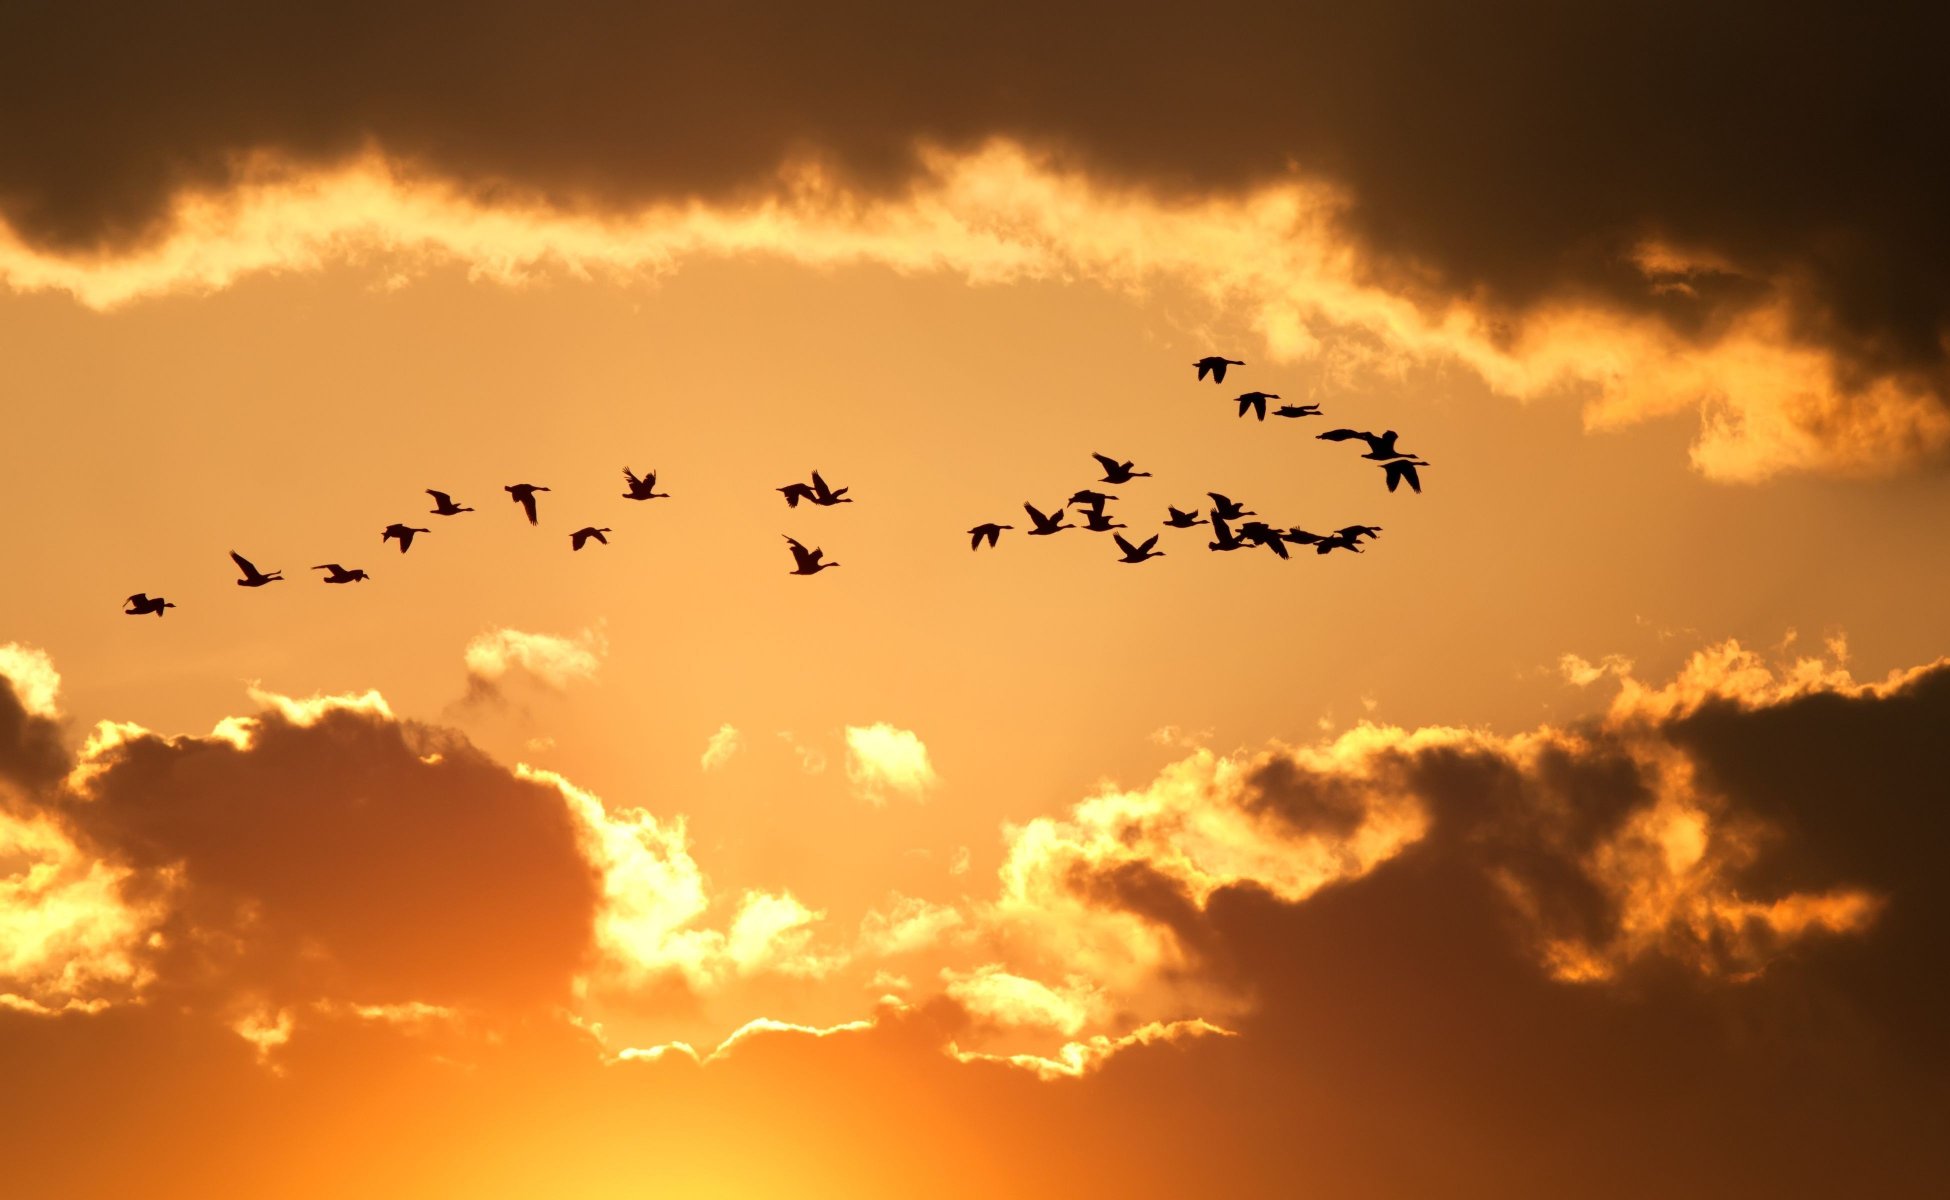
(36,684)
(547,659)
(719,750)
(881,759)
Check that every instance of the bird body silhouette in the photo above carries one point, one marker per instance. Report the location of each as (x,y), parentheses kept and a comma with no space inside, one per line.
(1300,537)
(1224,539)
(806,561)
(1261,533)
(1381,447)
(1402,470)
(1098,521)
(1255,402)
(1337,541)
(1180,519)
(252,576)
(403,532)
(795,492)
(1045,525)
(340,574)
(642,487)
(1357,532)
(988,530)
(1228,508)
(524,495)
(824,496)
(1096,500)
(444,506)
(580,537)
(1215,366)
(1297,410)
(1139,553)
(141,605)
(1118,472)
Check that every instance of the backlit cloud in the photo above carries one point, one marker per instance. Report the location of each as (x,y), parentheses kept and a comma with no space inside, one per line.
(883,761)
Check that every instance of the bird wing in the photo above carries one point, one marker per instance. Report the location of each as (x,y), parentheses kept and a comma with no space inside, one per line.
(1414,478)
(819,486)
(1035,514)
(139,598)
(1111,466)
(243,564)
(440,498)
(1148,543)
(528,505)
(630,477)
(1219,372)
(1278,545)
(332,567)
(1203,367)
(1125,546)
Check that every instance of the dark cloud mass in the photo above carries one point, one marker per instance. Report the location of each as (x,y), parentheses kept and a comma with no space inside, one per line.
(1512,150)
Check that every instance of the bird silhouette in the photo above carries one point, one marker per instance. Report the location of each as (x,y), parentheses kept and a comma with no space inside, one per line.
(1215,366)
(807,561)
(1255,402)
(1098,521)
(1297,410)
(1180,519)
(580,537)
(1095,500)
(1401,469)
(141,605)
(1300,537)
(795,492)
(826,496)
(444,506)
(642,487)
(1118,472)
(1223,536)
(403,532)
(1228,508)
(1045,525)
(1357,532)
(987,530)
(1139,553)
(524,494)
(252,576)
(1336,542)
(340,574)
(1261,533)
(1381,447)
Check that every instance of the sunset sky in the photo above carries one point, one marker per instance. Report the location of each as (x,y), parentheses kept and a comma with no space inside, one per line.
(1580,837)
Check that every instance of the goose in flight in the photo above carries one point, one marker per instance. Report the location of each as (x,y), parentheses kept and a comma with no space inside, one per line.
(1180,519)
(1223,532)
(524,494)
(1045,525)
(1402,469)
(1255,403)
(340,574)
(1297,410)
(989,531)
(444,506)
(1118,472)
(252,576)
(1337,542)
(403,532)
(795,492)
(825,496)
(1260,533)
(1357,532)
(1140,553)
(807,561)
(1098,521)
(1215,366)
(1381,447)
(141,605)
(1095,500)
(1228,508)
(1300,537)
(580,537)
(642,487)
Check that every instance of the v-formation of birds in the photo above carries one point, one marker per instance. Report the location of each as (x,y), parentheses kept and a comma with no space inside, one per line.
(1399,467)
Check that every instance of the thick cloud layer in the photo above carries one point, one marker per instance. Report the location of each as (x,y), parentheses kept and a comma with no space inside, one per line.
(1514,151)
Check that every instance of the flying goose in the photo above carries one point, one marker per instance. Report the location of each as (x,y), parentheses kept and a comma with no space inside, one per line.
(1215,366)
(642,487)
(1045,525)
(1255,402)
(989,530)
(141,605)
(1118,472)
(444,506)
(1381,447)
(524,494)
(340,574)
(807,560)
(581,537)
(1224,506)
(252,576)
(403,532)
(1180,519)
(1297,410)
(1139,553)
(1403,469)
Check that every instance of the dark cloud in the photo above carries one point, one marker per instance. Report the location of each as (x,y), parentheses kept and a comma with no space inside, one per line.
(1513,150)
(31,753)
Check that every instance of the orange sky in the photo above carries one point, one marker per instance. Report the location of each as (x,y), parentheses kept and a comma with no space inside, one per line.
(1574,839)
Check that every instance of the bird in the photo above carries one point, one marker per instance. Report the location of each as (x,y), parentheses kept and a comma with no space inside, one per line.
(580,537)
(1228,508)
(1336,542)
(1357,532)
(141,605)
(403,532)
(1297,410)
(795,492)
(1215,366)
(1095,500)
(1300,537)
(1381,447)
(825,496)
(642,487)
(989,530)
(1138,554)
(1223,532)
(1045,525)
(1180,519)
(1265,535)
(524,494)
(807,560)
(1401,469)
(1119,472)
(1255,402)
(252,576)
(340,574)
(1098,521)
(444,506)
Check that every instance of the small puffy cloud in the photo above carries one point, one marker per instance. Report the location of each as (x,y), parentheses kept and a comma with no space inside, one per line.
(882,760)
(548,659)
(725,743)
(905,925)
(991,993)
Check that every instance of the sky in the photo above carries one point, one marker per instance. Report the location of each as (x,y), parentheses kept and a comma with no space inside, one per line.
(1577,836)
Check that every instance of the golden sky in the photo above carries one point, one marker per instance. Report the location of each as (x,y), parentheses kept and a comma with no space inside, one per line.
(1577,838)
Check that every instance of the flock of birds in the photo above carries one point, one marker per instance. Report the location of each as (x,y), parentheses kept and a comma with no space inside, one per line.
(1398,466)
